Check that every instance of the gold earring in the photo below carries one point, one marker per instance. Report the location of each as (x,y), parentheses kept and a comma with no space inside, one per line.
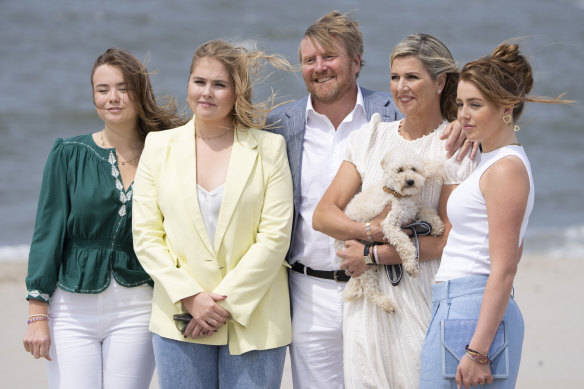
(516,128)
(507,119)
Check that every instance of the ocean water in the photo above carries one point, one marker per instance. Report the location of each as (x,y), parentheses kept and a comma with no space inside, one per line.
(47,50)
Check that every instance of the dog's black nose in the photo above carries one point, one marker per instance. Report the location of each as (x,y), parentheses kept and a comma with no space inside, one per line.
(410,182)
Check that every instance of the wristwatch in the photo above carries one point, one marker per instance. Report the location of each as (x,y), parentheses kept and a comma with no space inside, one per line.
(367,255)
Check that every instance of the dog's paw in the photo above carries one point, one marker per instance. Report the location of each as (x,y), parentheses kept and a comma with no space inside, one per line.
(387,305)
(437,228)
(412,268)
(353,290)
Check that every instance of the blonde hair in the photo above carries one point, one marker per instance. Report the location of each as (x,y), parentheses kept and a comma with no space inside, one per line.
(335,25)
(244,68)
(437,60)
(505,77)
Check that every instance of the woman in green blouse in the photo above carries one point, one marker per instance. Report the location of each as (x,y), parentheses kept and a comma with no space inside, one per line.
(89,298)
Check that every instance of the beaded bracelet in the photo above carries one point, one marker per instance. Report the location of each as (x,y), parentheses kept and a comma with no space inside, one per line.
(482,359)
(38,314)
(368,231)
(37,318)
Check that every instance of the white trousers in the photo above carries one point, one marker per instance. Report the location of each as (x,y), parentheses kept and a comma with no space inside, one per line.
(316,352)
(101,340)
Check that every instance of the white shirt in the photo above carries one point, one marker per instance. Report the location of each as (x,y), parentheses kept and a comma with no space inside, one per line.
(210,205)
(323,152)
(467,249)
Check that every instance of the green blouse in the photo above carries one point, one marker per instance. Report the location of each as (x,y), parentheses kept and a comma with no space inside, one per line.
(83,228)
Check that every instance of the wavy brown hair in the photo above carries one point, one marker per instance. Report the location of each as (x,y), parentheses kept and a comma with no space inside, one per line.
(151,115)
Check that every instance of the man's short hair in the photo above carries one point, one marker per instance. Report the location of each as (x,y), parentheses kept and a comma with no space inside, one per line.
(333,26)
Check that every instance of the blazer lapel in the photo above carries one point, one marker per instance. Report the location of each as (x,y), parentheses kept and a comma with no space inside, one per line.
(241,165)
(294,130)
(185,159)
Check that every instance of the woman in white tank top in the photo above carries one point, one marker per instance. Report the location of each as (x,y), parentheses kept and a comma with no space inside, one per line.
(476,332)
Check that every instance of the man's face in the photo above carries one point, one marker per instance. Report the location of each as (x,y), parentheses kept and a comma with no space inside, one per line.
(328,74)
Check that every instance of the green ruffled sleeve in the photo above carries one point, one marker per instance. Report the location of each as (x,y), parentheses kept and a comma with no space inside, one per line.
(46,251)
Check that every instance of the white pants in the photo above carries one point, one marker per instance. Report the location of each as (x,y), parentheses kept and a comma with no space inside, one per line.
(101,340)
(316,352)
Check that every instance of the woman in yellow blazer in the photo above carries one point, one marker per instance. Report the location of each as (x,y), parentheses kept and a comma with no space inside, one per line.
(212,219)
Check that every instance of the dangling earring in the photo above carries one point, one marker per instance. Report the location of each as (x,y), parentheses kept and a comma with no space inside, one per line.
(516,128)
(508,119)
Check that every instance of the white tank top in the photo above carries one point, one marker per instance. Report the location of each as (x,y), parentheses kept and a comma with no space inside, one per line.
(210,205)
(467,250)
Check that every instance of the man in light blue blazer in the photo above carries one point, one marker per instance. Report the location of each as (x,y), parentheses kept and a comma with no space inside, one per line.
(317,129)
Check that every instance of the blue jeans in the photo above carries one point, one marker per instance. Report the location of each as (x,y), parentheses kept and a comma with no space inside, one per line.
(461,298)
(199,366)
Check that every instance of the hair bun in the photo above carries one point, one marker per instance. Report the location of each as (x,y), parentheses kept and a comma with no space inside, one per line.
(507,52)
(515,65)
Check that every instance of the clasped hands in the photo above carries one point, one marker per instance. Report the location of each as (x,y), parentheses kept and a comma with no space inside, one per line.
(207,315)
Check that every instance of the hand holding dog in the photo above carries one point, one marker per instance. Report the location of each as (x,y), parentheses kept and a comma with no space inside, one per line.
(377,232)
(352,255)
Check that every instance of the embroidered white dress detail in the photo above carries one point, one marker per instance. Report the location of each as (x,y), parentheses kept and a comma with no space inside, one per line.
(124,196)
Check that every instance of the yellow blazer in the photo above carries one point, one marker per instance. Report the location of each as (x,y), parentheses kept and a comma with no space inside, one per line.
(246,261)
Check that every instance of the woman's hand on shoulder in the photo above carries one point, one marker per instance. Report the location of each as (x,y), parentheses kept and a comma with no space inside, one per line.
(207,315)
(37,339)
(455,139)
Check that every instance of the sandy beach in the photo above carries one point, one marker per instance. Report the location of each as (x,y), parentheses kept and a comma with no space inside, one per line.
(546,290)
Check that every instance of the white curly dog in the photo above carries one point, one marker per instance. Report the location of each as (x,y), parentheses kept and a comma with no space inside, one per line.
(404,176)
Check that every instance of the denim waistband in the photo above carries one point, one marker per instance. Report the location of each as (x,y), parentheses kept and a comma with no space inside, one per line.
(459,287)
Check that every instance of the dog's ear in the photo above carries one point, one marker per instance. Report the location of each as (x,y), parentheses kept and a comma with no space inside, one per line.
(385,161)
(433,168)
(392,157)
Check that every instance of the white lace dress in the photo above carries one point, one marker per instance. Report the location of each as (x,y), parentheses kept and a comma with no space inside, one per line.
(382,350)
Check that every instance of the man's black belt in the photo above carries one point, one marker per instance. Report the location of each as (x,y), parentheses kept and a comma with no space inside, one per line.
(337,275)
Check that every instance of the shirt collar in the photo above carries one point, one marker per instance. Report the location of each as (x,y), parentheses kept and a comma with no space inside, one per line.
(359,105)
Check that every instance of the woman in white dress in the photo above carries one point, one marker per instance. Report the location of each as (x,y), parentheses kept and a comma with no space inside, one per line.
(382,350)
